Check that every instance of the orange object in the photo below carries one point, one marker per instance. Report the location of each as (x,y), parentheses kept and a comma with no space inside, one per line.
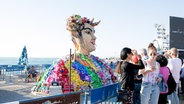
(135,59)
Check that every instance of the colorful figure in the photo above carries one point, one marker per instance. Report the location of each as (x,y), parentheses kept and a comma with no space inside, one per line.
(87,70)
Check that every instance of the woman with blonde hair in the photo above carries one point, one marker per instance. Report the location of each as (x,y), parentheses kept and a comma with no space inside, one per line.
(149,89)
(174,64)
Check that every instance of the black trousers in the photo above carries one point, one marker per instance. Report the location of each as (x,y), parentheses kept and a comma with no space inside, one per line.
(182,84)
(162,99)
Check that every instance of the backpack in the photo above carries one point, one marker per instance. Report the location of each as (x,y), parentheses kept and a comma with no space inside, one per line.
(171,83)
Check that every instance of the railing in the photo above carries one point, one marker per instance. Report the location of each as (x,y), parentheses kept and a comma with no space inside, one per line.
(103,95)
(19,71)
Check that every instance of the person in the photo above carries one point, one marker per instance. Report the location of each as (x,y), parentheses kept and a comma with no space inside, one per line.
(32,73)
(144,54)
(182,79)
(149,88)
(138,79)
(87,71)
(174,64)
(167,54)
(127,73)
(164,71)
(137,83)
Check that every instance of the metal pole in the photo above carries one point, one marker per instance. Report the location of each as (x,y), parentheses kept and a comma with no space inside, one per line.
(3,74)
(86,97)
(70,68)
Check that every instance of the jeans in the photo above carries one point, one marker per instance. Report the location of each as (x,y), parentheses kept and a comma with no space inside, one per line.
(136,94)
(149,93)
(173,97)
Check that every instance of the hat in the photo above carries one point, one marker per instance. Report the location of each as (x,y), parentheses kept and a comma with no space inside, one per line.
(134,59)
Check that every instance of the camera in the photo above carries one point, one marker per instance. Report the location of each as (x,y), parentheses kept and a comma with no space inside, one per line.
(139,76)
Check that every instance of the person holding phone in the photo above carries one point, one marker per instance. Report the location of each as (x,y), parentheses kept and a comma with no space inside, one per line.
(137,82)
(149,89)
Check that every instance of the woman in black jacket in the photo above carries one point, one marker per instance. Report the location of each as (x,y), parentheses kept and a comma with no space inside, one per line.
(127,72)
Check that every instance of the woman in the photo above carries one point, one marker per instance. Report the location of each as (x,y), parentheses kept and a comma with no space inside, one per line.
(137,83)
(87,71)
(149,89)
(164,71)
(174,64)
(127,72)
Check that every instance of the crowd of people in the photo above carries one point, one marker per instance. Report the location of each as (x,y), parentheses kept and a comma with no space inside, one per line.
(145,75)
(147,81)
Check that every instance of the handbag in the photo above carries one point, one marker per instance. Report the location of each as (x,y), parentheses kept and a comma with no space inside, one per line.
(118,71)
(118,67)
(171,83)
(122,95)
(182,73)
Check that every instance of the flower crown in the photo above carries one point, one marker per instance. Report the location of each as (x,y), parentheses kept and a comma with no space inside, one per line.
(76,23)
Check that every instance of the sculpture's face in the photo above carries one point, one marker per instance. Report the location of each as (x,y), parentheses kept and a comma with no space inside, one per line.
(88,38)
(82,31)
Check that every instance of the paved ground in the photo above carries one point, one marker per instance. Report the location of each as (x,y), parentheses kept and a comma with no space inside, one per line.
(22,91)
(14,92)
(181,97)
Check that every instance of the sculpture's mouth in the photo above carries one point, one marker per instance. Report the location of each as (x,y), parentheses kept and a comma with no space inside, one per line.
(93,42)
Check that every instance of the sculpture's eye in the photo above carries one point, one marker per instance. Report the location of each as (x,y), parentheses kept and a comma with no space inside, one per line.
(87,31)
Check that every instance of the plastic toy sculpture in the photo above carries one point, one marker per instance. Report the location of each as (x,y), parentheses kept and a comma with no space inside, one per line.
(87,71)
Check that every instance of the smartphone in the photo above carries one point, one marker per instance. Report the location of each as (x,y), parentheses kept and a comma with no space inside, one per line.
(139,76)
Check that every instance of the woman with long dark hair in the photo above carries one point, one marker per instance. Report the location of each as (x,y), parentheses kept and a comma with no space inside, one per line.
(127,72)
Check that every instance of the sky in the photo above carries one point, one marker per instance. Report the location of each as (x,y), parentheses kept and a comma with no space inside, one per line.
(40,25)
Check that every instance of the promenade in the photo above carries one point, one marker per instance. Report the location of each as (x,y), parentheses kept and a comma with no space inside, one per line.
(22,91)
(15,91)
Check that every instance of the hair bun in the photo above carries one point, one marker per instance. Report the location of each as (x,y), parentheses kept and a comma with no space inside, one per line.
(150,45)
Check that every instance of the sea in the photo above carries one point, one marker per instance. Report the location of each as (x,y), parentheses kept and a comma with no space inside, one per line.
(31,61)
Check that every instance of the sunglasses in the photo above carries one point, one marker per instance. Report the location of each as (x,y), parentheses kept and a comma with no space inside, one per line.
(173,54)
(153,54)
